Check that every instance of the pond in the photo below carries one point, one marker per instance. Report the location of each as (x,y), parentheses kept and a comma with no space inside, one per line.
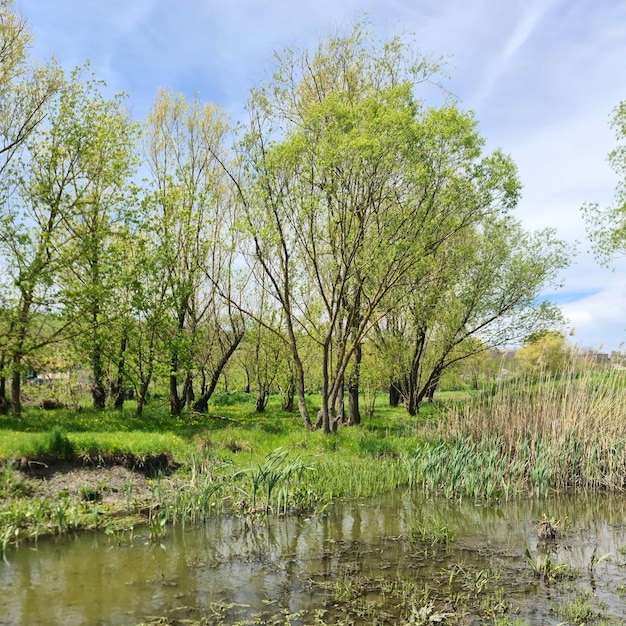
(397,559)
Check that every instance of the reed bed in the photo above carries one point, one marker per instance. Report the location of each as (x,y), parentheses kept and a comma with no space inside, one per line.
(532,434)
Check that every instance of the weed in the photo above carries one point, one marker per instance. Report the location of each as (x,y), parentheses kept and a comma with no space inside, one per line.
(595,560)
(551,528)
(346,589)
(156,525)
(426,615)
(89,493)
(274,475)
(578,611)
(10,484)
(548,570)
(431,531)
(9,533)
(56,444)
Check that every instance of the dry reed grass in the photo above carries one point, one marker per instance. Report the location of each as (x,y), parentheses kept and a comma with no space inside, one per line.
(570,427)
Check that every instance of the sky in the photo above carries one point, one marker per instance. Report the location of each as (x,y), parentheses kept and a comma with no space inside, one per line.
(542,77)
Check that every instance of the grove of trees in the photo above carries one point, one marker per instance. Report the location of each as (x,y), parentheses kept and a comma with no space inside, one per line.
(347,218)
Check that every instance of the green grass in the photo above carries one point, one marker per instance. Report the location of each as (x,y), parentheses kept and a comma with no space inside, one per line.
(525,436)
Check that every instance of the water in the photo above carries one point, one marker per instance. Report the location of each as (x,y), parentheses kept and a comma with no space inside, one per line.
(352,563)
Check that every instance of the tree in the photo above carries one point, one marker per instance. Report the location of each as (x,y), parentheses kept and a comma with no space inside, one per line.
(147,312)
(97,241)
(607,226)
(544,351)
(332,154)
(479,293)
(188,211)
(67,167)
(25,91)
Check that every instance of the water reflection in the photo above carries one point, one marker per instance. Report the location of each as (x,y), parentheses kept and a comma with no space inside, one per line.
(231,571)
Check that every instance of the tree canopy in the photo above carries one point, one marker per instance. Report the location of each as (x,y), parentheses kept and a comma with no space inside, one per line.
(349,215)
(607,225)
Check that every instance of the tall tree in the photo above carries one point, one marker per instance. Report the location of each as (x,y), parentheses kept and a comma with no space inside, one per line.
(55,178)
(480,293)
(25,91)
(96,233)
(189,213)
(332,150)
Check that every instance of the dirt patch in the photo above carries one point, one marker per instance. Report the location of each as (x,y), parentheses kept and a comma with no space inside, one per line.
(150,465)
(113,485)
(124,481)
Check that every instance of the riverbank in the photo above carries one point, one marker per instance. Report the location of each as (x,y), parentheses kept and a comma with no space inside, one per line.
(67,469)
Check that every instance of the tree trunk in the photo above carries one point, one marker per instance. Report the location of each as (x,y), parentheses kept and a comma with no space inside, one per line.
(141,399)
(323,419)
(289,396)
(20,329)
(394,395)
(354,414)
(340,409)
(117,390)
(98,392)
(4,403)
(301,393)
(16,387)
(175,403)
(262,398)
(188,395)
(202,403)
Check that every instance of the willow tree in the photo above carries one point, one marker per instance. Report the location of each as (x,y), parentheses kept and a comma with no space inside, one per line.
(67,164)
(331,153)
(25,91)
(188,213)
(481,292)
(97,238)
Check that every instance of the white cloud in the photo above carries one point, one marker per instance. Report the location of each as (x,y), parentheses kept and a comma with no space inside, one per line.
(523,30)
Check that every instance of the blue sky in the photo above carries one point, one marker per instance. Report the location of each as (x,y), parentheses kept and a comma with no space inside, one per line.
(542,77)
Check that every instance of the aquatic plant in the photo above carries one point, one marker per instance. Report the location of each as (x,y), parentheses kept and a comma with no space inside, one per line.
(548,570)
(156,525)
(554,431)
(595,560)
(275,475)
(431,531)
(579,610)
(551,528)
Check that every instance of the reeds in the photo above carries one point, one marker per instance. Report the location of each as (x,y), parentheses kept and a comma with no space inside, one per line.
(532,434)
(273,479)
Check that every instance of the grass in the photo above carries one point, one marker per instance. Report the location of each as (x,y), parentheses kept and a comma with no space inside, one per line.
(549,570)
(528,436)
(431,531)
(525,436)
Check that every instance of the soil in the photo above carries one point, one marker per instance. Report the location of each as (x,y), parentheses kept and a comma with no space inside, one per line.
(114,481)
(109,485)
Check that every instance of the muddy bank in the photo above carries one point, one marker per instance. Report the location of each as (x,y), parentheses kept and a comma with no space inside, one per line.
(46,495)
